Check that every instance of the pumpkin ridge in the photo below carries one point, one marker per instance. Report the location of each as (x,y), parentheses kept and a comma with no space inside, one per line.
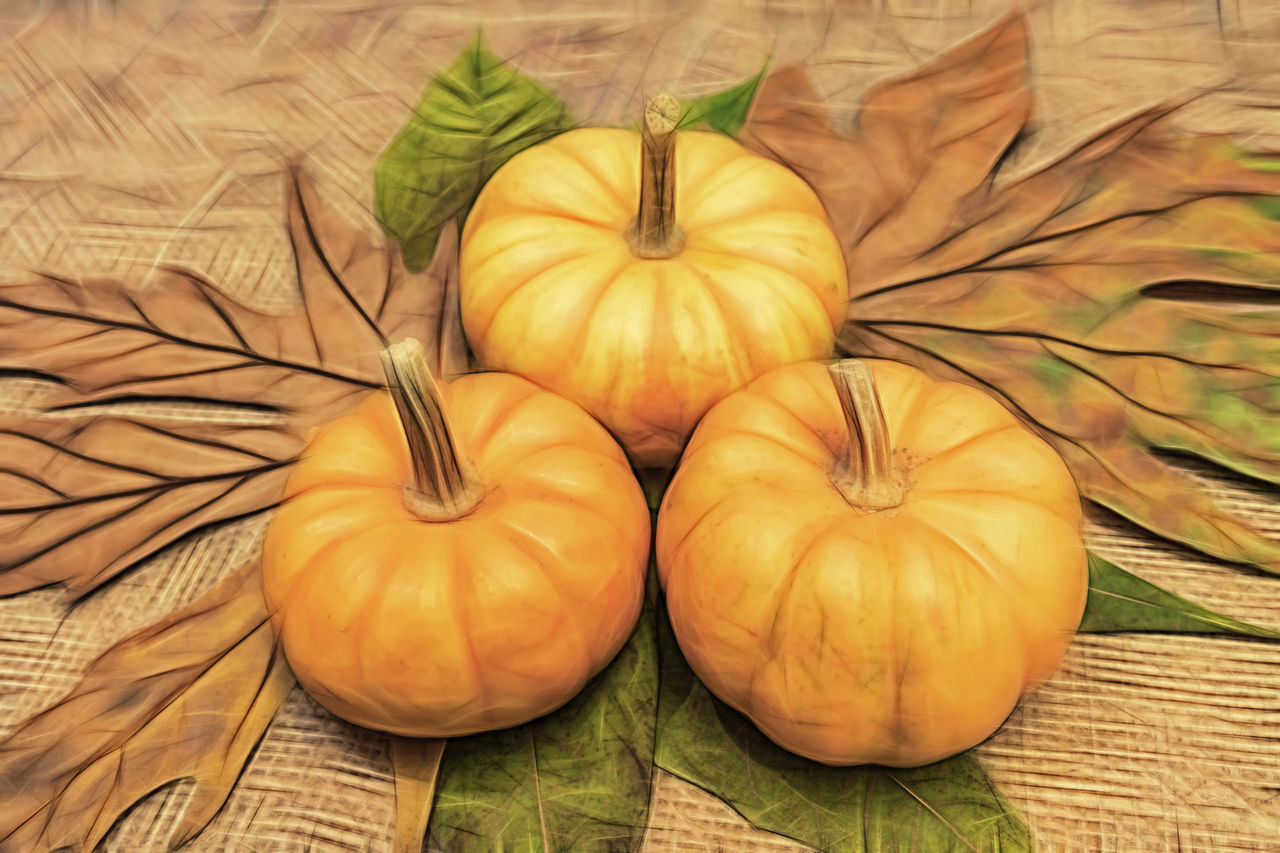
(340,484)
(479,340)
(519,474)
(692,528)
(975,560)
(514,210)
(744,350)
(896,664)
(812,429)
(1009,581)
(779,293)
(321,557)
(774,440)
(307,461)
(1016,619)
(570,153)
(736,218)
(385,419)
(704,229)
(458,575)
(693,190)
(809,217)
(659,307)
(315,488)
(751,498)
(523,475)
(528,544)
(913,411)
(695,231)
(335,690)
(384,572)
(523,541)
(508,245)
(477,446)
(714,324)
(961,445)
(575,351)
(304,585)
(820,530)
(925,491)
(675,549)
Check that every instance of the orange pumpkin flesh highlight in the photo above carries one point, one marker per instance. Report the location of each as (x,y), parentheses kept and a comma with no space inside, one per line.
(437,628)
(552,287)
(851,634)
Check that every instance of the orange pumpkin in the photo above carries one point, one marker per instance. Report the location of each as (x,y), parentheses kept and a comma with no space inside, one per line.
(439,604)
(882,599)
(646,292)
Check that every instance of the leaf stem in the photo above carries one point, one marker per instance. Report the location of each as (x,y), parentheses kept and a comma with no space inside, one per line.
(656,234)
(439,489)
(870,479)
(416,762)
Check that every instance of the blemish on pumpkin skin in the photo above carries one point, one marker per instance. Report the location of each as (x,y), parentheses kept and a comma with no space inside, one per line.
(898,726)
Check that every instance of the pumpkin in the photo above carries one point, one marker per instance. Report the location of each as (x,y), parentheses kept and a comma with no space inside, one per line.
(644,275)
(876,569)
(455,560)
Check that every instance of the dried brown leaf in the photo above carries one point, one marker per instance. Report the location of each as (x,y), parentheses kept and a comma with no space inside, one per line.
(83,498)
(1123,299)
(1139,168)
(189,697)
(924,145)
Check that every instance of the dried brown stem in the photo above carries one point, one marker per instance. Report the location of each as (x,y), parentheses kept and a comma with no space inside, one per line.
(416,762)
(656,234)
(440,488)
(870,479)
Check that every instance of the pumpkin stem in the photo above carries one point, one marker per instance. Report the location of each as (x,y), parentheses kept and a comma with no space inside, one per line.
(439,489)
(871,480)
(655,233)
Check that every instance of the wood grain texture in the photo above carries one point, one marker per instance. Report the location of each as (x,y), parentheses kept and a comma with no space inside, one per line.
(143,132)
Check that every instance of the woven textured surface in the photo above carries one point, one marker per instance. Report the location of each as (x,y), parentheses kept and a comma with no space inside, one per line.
(133,133)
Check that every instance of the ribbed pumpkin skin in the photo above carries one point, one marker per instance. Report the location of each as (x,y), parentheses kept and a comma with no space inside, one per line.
(550,289)
(895,637)
(437,629)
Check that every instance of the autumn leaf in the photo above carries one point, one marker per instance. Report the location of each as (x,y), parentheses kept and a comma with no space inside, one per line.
(725,111)
(1065,291)
(82,499)
(86,495)
(189,697)
(1121,601)
(922,146)
(473,117)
